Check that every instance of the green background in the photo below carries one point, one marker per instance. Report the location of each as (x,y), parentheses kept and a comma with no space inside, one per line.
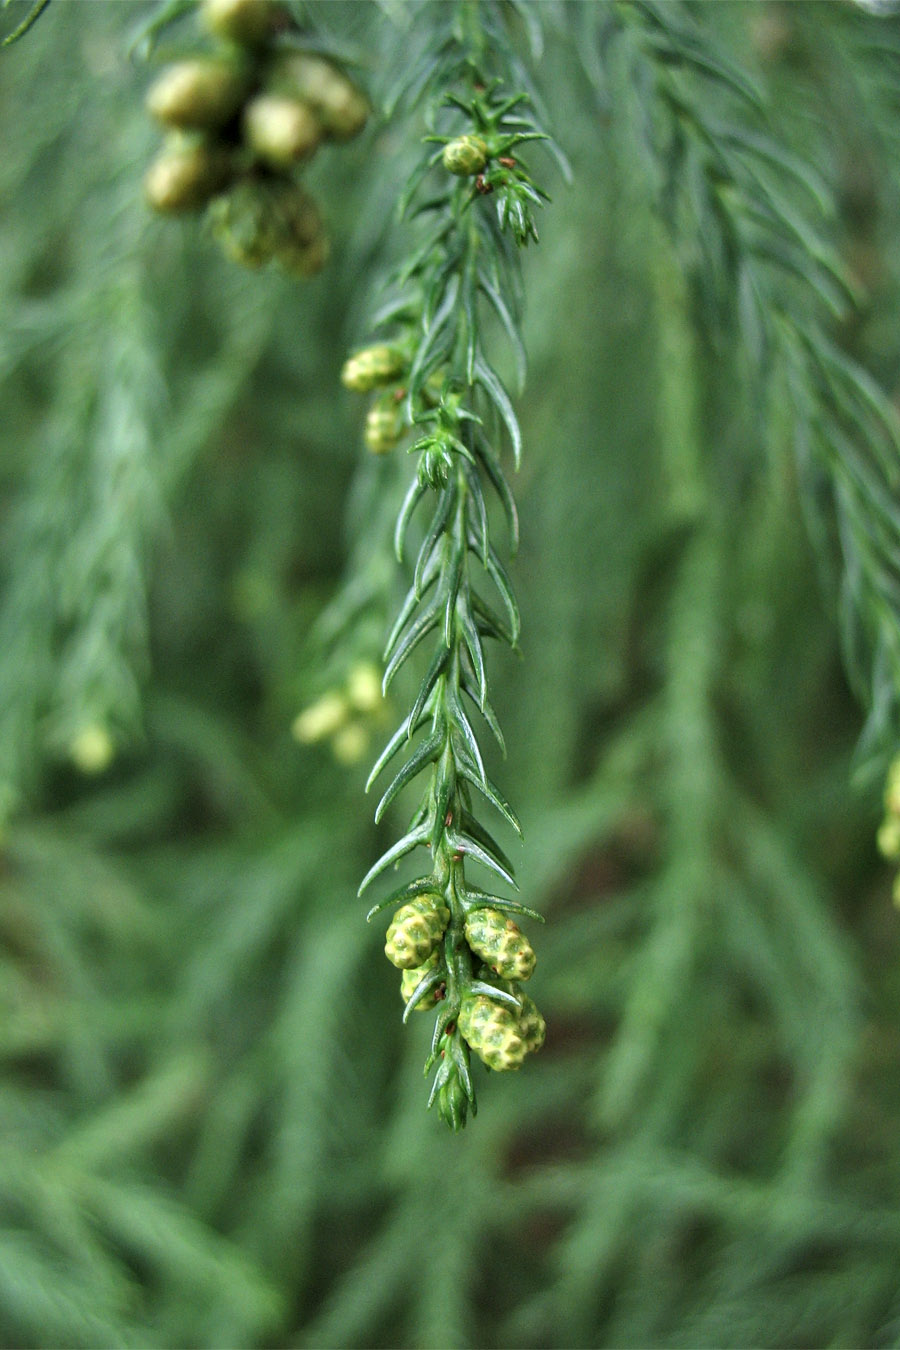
(212,1124)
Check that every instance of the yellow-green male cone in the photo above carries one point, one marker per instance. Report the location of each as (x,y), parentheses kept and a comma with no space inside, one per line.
(415,931)
(492,1031)
(500,943)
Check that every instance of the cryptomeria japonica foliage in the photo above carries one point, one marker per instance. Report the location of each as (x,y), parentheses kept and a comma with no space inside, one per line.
(436,384)
(256,90)
(241,118)
(273,266)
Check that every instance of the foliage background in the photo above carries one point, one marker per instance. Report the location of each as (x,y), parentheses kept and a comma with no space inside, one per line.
(212,1120)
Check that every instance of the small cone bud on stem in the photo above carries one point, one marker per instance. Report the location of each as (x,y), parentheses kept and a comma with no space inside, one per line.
(373,366)
(492,1031)
(197,94)
(304,260)
(409,982)
(185,177)
(415,931)
(384,427)
(532,1027)
(464,156)
(246,22)
(500,943)
(281,131)
(338,104)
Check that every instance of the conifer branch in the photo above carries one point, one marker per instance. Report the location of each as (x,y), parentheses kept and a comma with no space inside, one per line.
(432,375)
(746,216)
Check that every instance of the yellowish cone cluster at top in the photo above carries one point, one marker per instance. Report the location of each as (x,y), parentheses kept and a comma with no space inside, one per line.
(240,120)
(889,832)
(345,716)
(500,1034)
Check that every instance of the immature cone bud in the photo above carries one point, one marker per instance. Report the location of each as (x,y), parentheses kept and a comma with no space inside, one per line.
(339,105)
(500,943)
(409,982)
(384,427)
(304,260)
(242,221)
(321,719)
(258,221)
(364,687)
(196,94)
(532,1027)
(453,1102)
(892,789)
(415,931)
(93,749)
(185,177)
(464,156)
(889,838)
(350,744)
(247,22)
(299,219)
(371,367)
(492,1031)
(281,131)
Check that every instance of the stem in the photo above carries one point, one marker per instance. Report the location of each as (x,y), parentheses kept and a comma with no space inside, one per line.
(453,396)
(471,34)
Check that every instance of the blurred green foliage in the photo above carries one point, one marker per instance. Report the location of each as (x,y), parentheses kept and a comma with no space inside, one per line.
(211,1124)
